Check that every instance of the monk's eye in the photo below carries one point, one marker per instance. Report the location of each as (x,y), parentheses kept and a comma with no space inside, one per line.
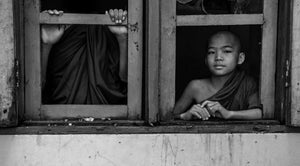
(210,52)
(227,51)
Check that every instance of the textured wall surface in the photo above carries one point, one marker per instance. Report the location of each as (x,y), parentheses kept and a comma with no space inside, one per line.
(6,60)
(151,150)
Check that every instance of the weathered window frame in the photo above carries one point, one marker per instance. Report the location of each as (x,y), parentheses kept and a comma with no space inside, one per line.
(169,21)
(35,110)
(155,107)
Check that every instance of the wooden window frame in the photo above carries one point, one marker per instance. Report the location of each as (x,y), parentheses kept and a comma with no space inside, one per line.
(169,22)
(155,105)
(35,110)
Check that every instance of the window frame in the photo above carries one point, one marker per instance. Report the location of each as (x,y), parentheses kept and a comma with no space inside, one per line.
(169,21)
(153,103)
(35,110)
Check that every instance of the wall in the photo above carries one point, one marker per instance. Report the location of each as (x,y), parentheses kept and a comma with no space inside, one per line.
(151,149)
(6,60)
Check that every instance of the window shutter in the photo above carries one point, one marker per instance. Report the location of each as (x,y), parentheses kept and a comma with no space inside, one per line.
(294,116)
(8,64)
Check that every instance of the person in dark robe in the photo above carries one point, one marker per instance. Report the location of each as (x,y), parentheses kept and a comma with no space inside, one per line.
(228,93)
(86,64)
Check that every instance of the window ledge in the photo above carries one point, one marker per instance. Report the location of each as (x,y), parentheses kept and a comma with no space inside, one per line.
(139,127)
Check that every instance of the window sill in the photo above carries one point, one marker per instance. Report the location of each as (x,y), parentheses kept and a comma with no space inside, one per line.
(139,127)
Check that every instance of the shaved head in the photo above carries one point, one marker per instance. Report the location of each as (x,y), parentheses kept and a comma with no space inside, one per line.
(228,35)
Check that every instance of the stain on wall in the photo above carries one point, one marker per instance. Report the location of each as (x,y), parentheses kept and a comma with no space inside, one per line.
(151,149)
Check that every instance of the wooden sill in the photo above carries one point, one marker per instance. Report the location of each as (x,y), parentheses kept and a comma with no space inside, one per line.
(140,127)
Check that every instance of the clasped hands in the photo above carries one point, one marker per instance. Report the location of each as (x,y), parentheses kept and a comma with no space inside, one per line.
(206,110)
(51,33)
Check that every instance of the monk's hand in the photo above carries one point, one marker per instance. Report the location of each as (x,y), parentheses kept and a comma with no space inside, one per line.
(216,109)
(50,33)
(118,16)
(196,112)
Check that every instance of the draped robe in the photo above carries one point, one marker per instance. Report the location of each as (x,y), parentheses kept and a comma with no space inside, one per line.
(238,93)
(83,68)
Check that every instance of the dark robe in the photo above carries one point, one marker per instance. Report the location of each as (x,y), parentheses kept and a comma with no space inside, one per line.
(238,93)
(83,68)
(188,7)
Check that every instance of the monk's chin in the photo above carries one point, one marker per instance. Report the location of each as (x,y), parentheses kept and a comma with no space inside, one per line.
(221,73)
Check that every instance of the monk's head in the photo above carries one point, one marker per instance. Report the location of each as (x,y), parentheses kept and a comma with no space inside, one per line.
(224,53)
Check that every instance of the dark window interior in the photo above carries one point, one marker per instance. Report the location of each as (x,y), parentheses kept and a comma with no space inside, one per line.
(86,6)
(186,7)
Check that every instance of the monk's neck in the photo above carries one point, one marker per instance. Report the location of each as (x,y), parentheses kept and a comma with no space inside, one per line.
(217,82)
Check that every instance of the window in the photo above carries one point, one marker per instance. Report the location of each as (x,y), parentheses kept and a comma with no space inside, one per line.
(34,18)
(164,33)
(260,19)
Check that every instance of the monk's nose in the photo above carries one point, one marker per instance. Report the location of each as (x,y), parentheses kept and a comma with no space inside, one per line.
(218,56)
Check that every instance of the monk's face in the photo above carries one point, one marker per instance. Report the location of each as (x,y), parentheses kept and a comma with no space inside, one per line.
(223,54)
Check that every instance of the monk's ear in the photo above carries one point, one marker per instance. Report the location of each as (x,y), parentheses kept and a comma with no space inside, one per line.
(241,58)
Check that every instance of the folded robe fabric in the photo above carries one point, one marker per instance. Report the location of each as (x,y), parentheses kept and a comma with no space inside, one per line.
(238,93)
(83,68)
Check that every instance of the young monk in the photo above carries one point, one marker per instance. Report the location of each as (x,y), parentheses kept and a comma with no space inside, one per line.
(229,93)
(86,64)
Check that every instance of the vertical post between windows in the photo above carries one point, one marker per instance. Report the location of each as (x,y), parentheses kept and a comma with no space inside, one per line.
(19,55)
(135,56)
(284,38)
(168,57)
(32,59)
(152,60)
(268,59)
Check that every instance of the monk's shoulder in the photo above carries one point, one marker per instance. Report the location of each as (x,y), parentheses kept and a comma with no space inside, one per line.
(250,84)
(198,84)
(199,90)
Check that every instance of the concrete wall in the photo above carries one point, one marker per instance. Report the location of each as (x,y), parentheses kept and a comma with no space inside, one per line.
(151,150)
(7,58)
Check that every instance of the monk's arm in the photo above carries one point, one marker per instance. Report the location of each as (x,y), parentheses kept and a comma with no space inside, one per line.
(254,112)
(249,114)
(118,16)
(185,100)
(45,53)
(50,34)
(123,42)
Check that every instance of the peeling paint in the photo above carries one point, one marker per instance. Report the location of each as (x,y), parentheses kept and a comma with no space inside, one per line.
(133,27)
(136,46)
